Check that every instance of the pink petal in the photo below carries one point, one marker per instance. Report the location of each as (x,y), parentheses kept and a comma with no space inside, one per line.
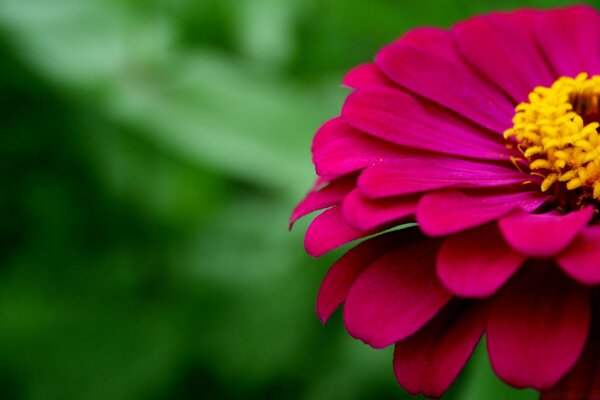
(344,272)
(365,214)
(329,231)
(433,40)
(319,198)
(396,296)
(433,172)
(581,260)
(445,79)
(339,149)
(543,235)
(583,380)
(430,360)
(537,327)
(366,75)
(450,211)
(477,262)
(402,119)
(504,48)
(570,39)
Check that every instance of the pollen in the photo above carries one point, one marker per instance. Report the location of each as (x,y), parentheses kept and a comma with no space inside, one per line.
(557,133)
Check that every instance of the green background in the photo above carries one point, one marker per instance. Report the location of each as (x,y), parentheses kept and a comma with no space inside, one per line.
(150,155)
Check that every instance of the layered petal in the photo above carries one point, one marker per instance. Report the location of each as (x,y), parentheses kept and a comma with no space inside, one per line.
(396,296)
(430,360)
(365,76)
(339,149)
(543,235)
(329,231)
(583,380)
(581,260)
(366,214)
(323,197)
(503,47)
(449,211)
(446,79)
(570,39)
(537,327)
(402,119)
(414,175)
(434,40)
(582,383)
(477,262)
(344,272)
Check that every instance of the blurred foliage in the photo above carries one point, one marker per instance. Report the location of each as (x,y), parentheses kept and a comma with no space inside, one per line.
(151,152)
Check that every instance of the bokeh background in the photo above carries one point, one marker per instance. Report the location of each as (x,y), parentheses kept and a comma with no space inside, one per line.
(150,155)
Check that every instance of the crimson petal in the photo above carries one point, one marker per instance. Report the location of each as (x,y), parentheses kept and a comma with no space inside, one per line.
(477,262)
(543,235)
(449,211)
(504,48)
(448,81)
(320,198)
(570,39)
(400,118)
(396,296)
(583,380)
(433,40)
(339,149)
(430,360)
(344,272)
(415,175)
(366,214)
(329,231)
(581,260)
(537,327)
(366,75)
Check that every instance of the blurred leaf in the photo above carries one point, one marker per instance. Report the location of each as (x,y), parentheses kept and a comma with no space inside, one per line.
(204,106)
(215,113)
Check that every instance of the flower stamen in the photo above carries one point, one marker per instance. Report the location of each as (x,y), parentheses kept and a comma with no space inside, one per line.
(557,131)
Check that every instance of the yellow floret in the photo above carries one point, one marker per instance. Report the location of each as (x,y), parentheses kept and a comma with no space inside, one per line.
(551,132)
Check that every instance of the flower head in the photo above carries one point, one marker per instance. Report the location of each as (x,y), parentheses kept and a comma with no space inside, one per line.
(487,136)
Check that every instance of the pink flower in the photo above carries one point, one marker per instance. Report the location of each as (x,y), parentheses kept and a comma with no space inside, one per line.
(487,137)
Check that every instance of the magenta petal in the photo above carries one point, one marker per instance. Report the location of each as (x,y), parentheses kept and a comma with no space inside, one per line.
(581,260)
(504,48)
(344,272)
(339,149)
(329,231)
(543,235)
(433,172)
(430,360)
(448,82)
(402,119)
(366,75)
(583,380)
(570,39)
(450,211)
(320,198)
(366,214)
(434,40)
(537,327)
(396,296)
(477,262)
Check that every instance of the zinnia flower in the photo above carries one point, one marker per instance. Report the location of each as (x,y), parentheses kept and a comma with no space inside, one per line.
(486,136)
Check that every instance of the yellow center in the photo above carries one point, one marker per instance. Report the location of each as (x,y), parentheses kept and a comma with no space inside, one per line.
(557,133)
